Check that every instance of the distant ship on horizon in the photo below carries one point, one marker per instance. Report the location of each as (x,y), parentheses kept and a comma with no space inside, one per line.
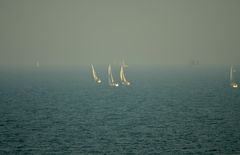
(194,62)
(233,83)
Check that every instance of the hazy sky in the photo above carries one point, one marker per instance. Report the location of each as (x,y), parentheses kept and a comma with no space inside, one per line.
(76,32)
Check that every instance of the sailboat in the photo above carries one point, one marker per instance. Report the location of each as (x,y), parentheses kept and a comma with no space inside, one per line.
(122,77)
(95,77)
(111,81)
(37,64)
(233,84)
(123,64)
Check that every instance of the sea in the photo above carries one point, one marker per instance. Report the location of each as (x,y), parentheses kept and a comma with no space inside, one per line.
(165,110)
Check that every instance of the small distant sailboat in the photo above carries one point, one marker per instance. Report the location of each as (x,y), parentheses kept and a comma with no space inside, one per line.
(122,76)
(123,64)
(233,84)
(95,77)
(111,81)
(194,62)
(37,64)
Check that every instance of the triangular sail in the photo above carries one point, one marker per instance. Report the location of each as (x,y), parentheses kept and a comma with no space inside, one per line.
(110,76)
(111,81)
(233,83)
(37,64)
(121,73)
(231,74)
(95,77)
(94,73)
(122,77)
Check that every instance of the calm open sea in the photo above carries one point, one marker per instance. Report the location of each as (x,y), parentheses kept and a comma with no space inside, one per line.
(166,110)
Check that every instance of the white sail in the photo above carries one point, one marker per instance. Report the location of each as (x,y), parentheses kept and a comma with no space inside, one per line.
(37,64)
(122,77)
(121,73)
(94,73)
(95,77)
(231,74)
(111,81)
(233,83)
(110,77)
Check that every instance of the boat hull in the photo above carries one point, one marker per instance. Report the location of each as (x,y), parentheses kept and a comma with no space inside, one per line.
(234,85)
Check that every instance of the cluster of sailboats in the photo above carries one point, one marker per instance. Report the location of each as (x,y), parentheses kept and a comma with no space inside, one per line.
(125,82)
(111,80)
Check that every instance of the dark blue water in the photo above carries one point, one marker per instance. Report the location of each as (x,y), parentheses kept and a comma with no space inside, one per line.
(166,110)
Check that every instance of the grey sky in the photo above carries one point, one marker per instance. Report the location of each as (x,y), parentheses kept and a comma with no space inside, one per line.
(75,32)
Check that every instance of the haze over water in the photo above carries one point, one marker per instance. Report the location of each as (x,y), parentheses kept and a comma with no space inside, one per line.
(65,33)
